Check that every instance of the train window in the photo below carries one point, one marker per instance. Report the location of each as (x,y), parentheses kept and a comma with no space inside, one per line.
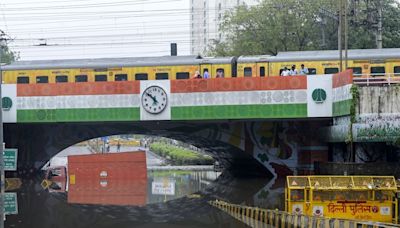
(248,72)
(42,79)
(262,71)
(312,71)
(378,71)
(331,70)
(142,76)
(80,78)
(220,73)
(396,70)
(182,75)
(100,78)
(356,70)
(161,76)
(61,78)
(121,77)
(23,80)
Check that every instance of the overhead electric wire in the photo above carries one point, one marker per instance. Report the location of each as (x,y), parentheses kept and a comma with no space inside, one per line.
(80,6)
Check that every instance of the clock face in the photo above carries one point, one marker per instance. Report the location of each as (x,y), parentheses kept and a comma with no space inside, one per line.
(154,99)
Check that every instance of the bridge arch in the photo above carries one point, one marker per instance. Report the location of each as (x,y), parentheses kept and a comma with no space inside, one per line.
(37,143)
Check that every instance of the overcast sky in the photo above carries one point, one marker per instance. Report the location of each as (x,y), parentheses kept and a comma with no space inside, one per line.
(95,28)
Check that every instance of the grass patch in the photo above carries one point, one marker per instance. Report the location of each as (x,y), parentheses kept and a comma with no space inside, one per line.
(180,156)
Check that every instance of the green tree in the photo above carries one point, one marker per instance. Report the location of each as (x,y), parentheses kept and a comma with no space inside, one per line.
(295,25)
(7,56)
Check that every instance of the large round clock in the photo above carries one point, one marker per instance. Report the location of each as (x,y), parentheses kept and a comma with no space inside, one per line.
(154,99)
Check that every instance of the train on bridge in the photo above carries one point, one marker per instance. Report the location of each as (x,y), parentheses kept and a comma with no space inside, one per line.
(383,63)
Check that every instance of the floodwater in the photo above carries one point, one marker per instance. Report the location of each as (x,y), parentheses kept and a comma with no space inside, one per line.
(168,198)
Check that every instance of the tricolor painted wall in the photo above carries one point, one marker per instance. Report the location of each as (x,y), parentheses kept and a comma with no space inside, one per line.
(193,99)
(342,97)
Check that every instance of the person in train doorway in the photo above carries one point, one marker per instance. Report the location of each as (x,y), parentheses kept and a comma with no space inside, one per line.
(197,75)
(294,71)
(285,72)
(303,70)
(206,75)
(220,74)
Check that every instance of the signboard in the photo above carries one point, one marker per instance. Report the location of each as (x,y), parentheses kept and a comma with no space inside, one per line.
(10,159)
(10,203)
(359,210)
(163,188)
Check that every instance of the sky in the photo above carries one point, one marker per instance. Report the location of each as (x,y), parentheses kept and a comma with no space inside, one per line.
(71,29)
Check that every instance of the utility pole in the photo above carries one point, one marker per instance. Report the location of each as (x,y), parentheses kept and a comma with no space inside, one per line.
(346,35)
(340,30)
(379,28)
(2,215)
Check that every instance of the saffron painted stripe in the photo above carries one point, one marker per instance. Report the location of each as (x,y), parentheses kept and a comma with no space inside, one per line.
(343,78)
(239,98)
(85,88)
(78,115)
(342,108)
(342,93)
(239,112)
(73,102)
(238,84)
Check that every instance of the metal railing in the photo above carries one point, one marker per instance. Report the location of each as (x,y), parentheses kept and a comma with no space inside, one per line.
(376,79)
(258,217)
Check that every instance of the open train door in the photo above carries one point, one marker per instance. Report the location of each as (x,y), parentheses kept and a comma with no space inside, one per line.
(206,66)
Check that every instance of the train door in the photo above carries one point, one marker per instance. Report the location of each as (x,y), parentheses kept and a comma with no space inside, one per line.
(207,67)
(261,69)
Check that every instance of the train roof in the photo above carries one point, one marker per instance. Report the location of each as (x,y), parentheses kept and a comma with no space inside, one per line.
(354,54)
(252,59)
(105,62)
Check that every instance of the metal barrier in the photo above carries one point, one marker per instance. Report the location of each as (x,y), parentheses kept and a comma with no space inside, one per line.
(376,79)
(258,217)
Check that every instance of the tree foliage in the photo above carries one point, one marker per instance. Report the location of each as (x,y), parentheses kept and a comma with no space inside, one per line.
(296,25)
(7,56)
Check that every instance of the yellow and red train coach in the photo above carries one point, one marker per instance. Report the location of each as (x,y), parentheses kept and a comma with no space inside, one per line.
(384,63)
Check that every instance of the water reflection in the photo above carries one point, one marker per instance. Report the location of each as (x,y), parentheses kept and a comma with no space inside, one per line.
(173,184)
(129,195)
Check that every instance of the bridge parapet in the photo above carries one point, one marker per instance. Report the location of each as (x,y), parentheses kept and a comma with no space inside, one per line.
(295,97)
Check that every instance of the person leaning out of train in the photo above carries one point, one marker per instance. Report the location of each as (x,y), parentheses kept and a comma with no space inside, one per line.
(285,72)
(303,70)
(220,74)
(196,75)
(206,75)
(294,71)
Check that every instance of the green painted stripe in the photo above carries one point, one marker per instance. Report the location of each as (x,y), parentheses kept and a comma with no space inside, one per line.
(341,108)
(78,115)
(239,112)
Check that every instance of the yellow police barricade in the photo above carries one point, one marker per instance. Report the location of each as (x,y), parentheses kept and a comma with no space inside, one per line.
(359,198)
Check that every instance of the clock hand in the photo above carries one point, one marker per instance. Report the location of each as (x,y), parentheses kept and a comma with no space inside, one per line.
(152,97)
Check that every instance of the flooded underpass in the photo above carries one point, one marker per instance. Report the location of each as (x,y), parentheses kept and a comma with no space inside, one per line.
(165,196)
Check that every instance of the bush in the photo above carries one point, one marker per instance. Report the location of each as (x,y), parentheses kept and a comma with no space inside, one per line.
(180,156)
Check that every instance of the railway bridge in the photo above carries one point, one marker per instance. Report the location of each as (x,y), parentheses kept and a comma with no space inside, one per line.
(271,123)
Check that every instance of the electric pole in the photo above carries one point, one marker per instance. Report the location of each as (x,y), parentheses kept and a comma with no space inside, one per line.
(379,28)
(340,36)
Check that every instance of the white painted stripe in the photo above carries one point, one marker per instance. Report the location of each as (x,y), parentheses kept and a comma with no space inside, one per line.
(239,98)
(342,93)
(80,101)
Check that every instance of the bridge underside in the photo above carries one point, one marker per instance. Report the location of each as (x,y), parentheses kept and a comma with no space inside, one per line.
(37,143)
(275,148)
